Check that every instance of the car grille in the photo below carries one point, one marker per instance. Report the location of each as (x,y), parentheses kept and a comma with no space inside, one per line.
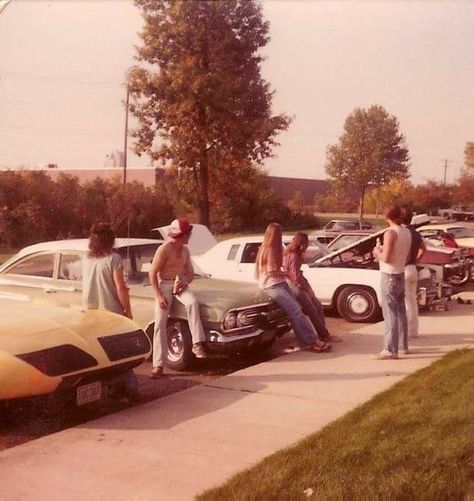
(262,316)
(129,344)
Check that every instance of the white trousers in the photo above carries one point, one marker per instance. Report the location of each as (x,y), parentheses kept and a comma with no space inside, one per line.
(411,304)
(188,299)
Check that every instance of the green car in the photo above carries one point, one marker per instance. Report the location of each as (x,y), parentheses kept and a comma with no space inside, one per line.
(236,316)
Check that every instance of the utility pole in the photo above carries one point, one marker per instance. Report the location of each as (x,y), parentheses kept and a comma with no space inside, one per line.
(125,139)
(445,170)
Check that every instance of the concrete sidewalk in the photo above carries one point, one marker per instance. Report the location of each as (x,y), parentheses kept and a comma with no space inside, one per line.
(180,445)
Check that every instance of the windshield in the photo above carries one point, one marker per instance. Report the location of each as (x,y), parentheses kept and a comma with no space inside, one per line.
(342,241)
(461,232)
(137,262)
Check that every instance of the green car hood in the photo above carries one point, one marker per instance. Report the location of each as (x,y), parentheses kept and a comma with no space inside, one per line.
(215,297)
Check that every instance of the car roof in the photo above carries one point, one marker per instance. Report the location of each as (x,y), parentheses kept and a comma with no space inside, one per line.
(441,226)
(254,239)
(348,221)
(82,244)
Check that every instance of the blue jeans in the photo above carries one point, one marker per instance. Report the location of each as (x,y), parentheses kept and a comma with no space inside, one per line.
(314,309)
(393,308)
(285,299)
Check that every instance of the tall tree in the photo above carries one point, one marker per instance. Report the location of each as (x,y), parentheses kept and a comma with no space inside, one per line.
(370,152)
(469,155)
(199,97)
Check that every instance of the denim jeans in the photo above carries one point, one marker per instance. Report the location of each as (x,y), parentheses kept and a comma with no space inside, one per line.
(314,309)
(394,313)
(411,304)
(284,297)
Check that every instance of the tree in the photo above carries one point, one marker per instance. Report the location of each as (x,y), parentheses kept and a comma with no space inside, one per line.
(431,196)
(296,202)
(200,100)
(370,152)
(397,190)
(469,155)
(463,191)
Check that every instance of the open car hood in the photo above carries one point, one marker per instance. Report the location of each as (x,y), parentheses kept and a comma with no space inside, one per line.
(201,238)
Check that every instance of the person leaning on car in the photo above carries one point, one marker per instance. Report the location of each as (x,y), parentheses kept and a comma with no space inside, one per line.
(417,250)
(171,273)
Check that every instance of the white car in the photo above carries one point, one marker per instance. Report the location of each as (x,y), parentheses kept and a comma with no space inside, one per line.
(347,279)
(235,316)
(463,235)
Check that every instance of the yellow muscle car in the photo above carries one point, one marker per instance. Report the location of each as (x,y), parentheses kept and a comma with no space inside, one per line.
(46,349)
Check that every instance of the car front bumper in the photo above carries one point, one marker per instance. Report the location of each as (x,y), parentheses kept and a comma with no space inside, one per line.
(220,343)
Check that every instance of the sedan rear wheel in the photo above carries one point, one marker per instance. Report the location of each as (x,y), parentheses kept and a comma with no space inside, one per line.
(358,304)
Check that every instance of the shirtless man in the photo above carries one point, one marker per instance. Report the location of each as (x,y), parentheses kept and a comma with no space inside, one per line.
(171,273)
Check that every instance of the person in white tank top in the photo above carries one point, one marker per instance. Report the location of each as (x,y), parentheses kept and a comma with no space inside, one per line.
(393,256)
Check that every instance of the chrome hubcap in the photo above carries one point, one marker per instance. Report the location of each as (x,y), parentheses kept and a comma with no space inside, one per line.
(358,303)
(175,343)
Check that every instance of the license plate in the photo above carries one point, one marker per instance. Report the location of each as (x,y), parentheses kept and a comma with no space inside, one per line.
(89,393)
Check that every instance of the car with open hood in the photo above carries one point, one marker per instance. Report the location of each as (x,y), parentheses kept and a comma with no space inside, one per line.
(235,316)
(347,279)
(47,349)
(452,265)
(463,235)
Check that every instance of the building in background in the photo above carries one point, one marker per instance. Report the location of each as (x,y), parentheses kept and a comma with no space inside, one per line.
(284,187)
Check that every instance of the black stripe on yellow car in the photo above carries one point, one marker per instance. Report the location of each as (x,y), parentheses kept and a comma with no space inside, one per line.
(126,345)
(59,360)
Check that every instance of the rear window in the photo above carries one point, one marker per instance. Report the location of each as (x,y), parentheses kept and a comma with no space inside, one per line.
(249,254)
(233,252)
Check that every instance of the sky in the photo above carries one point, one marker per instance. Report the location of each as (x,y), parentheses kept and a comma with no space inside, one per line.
(62,67)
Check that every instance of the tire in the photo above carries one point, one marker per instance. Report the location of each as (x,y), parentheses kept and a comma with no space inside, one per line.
(457,280)
(358,304)
(179,344)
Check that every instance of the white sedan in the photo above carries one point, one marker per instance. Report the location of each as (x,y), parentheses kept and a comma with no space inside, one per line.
(347,279)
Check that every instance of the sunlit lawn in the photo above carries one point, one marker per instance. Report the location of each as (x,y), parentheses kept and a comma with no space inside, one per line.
(414,441)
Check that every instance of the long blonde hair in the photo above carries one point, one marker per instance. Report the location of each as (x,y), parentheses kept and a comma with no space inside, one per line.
(270,254)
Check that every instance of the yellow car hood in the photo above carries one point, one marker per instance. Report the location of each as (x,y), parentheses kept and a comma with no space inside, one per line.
(39,344)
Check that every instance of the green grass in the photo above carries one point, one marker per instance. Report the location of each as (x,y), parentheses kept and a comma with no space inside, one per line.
(414,441)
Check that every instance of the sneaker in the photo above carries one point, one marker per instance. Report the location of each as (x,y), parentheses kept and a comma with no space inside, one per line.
(199,351)
(385,355)
(156,373)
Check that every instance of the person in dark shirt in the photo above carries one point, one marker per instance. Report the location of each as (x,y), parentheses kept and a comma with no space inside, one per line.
(417,249)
